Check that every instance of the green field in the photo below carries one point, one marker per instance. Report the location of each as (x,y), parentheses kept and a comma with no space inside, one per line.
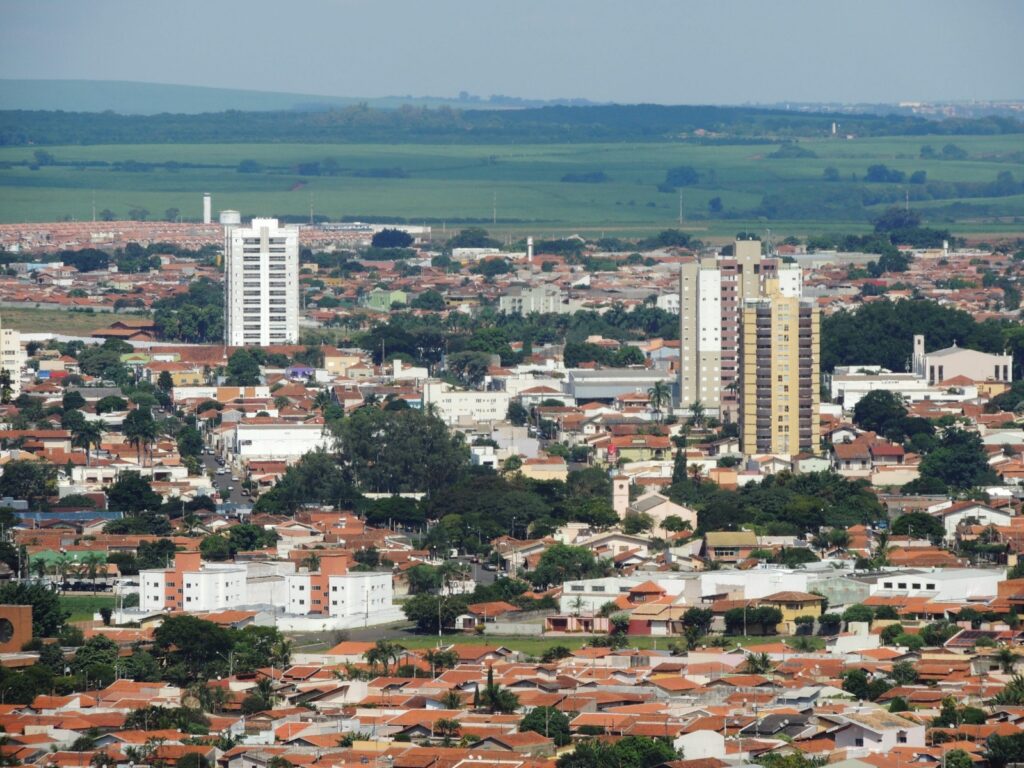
(55,320)
(449,183)
(83,607)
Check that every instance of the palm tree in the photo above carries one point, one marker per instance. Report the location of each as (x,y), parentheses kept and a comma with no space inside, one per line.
(758,663)
(1012,693)
(62,565)
(311,562)
(660,395)
(39,566)
(87,435)
(882,548)
(451,700)
(1007,658)
(92,562)
(698,414)
(140,430)
(695,473)
(384,652)
(447,728)
(498,699)
(322,400)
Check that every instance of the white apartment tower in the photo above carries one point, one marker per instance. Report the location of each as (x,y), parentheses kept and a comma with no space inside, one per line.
(261,284)
(12,358)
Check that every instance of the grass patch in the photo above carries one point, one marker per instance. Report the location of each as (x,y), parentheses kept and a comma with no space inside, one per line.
(83,607)
(31,320)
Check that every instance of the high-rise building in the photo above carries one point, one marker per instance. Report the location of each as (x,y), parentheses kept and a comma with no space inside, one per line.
(12,358)
(711,295)
(261,284)
(779,374)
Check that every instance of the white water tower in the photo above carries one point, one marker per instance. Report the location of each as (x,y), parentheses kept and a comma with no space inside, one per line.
(207,208)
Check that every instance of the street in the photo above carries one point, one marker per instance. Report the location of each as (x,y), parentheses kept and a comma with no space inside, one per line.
(223,482)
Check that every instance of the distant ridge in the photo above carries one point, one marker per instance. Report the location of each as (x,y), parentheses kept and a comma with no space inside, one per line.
(132,98)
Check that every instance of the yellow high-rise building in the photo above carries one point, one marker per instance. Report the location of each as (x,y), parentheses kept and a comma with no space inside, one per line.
(779,374)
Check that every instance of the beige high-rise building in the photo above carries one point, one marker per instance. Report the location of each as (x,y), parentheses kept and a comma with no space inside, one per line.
(779,374)
(711,295)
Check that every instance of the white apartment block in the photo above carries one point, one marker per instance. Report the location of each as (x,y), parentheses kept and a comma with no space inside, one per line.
(12,357)
(545,299)
(358,596)
(465,406)
(261,284)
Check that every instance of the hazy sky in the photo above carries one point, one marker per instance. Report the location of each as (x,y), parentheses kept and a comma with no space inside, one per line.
(667,51)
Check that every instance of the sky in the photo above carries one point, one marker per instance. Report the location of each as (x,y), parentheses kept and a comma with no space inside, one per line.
(627,51)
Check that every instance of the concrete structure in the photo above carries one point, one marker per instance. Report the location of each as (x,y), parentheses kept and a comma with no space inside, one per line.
(952,584)
(190,585)
(12,357)
(267,439)
(608,383)
(944,364)
(332,591)
(545,299)
(461,406)
(207,208)
(779,375)
(261,284)
(711,295)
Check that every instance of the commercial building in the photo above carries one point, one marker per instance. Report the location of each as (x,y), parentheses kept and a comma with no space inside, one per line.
(779,372)
(712,291)
(265,438)
(261,284)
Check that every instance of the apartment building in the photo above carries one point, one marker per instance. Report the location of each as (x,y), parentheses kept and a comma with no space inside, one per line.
(465,406)
(12,358)
(261,284)
(333,591)
(711,295)
(545,299)
(190,585)
(779,374)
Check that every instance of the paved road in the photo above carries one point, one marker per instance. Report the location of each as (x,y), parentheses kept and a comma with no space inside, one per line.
(223,482)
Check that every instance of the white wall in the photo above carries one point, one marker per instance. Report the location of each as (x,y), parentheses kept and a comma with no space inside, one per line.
(278,441)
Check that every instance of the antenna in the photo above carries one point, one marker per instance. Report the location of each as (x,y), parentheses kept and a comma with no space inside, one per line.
(94,206)
(310,209)
(494,209)
(907,193)
(680,207)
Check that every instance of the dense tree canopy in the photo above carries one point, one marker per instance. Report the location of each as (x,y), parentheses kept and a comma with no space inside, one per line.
(881,333)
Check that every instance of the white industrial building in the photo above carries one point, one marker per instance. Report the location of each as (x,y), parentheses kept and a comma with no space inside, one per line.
(263,439)
(261,284)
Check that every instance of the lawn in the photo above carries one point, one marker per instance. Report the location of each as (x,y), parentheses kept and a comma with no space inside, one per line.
(83,607)
(520,184)
(28,319)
